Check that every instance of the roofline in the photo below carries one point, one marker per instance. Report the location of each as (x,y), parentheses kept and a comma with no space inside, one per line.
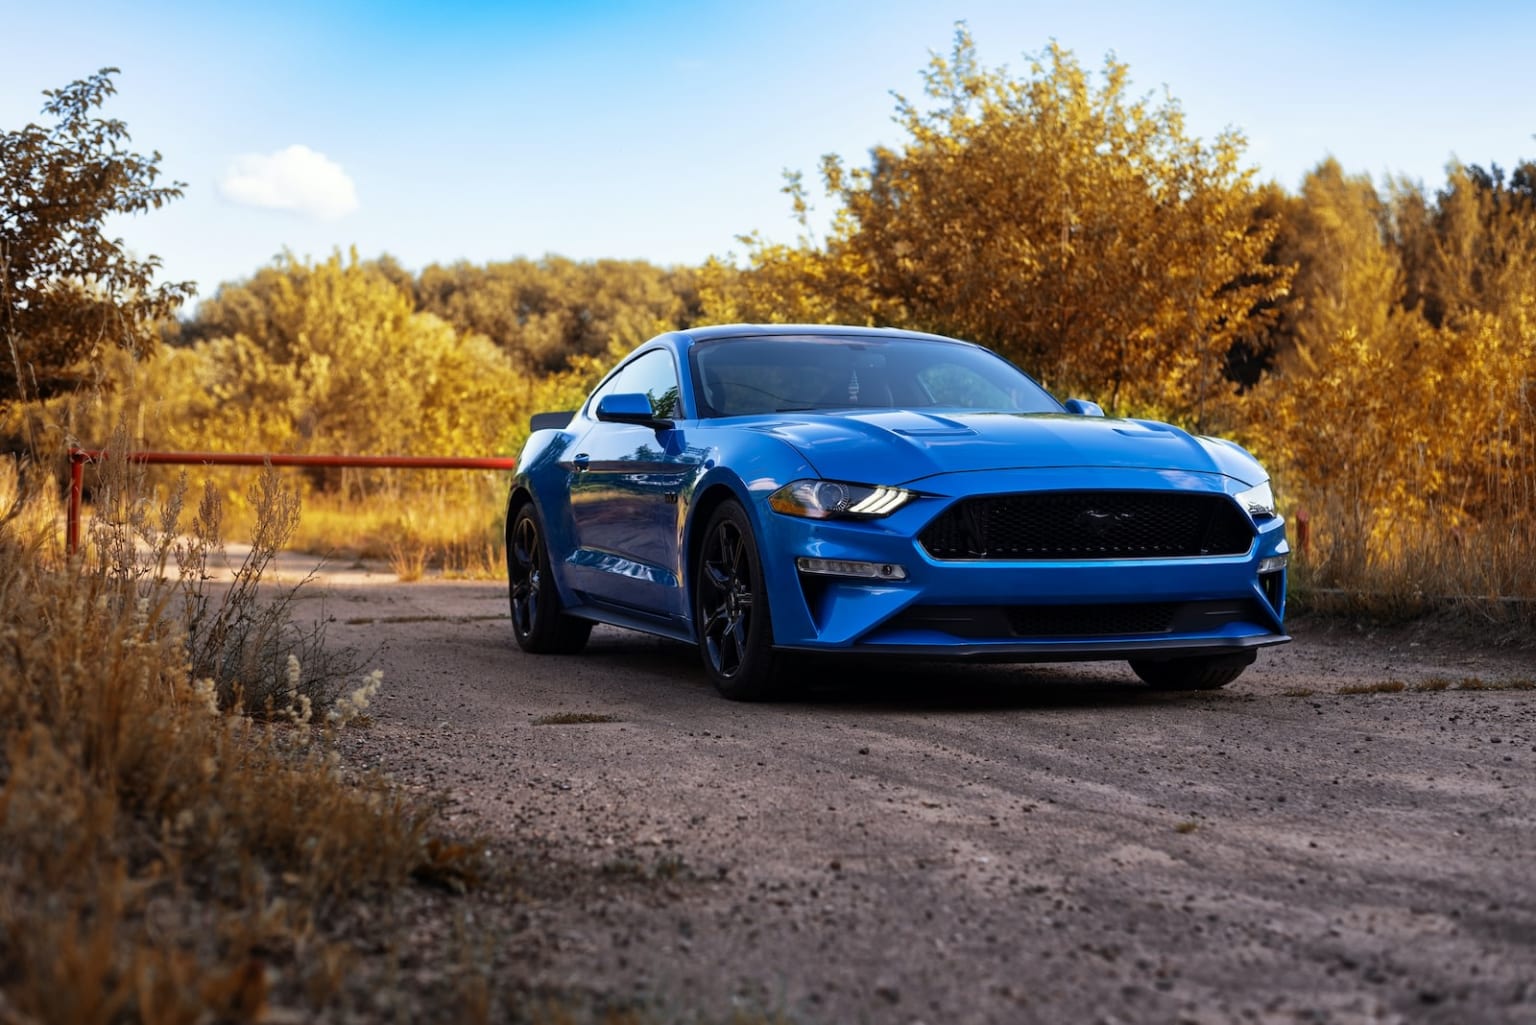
(712,332)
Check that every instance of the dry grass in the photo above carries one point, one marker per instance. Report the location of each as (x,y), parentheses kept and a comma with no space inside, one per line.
(459,536)
(1429,685)
(408,560)
(1481,576)
(574,718)
(454,529)
(183,848)
(168,858)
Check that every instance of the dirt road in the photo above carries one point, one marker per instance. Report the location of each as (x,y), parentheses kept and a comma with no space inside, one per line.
(919,843)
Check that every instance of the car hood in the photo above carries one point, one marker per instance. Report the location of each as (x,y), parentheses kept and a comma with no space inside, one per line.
(905,446)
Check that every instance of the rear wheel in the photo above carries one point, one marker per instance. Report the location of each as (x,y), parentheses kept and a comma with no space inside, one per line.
(539,623)
(1204,672)
(730,608)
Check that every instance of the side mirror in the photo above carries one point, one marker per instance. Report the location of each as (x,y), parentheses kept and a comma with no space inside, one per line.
(630,408)
(1082,407)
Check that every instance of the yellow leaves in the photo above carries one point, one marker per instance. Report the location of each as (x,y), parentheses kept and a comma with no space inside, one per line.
(1076,230)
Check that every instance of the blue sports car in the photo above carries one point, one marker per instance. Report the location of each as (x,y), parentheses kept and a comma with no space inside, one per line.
(762,491)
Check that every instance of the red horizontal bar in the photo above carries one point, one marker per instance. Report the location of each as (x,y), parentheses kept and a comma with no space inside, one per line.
(253,459)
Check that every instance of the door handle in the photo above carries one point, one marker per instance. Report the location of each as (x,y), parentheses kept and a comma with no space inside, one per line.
(581,459)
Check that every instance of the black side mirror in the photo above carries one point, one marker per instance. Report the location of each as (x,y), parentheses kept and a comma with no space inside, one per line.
(630,408)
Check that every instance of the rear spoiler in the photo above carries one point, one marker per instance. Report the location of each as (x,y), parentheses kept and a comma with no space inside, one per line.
(551,421)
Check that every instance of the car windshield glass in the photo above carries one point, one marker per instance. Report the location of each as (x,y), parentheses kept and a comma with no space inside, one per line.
(778,374)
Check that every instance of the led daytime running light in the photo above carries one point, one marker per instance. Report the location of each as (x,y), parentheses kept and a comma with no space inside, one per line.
(884,500)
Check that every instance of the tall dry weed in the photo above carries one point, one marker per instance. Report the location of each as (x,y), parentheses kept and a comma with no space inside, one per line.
(1480,573)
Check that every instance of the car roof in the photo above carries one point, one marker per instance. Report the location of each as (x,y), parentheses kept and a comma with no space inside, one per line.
(718,331)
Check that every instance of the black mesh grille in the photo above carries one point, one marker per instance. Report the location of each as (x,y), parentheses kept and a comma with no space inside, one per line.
(1091,620)
(1089,525)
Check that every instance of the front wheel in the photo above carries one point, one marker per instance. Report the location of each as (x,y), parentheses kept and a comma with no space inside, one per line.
(730,610)
(1203,672)
(538,621)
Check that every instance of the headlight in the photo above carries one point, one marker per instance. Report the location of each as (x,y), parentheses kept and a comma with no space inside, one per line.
(1258,502)
(825,499)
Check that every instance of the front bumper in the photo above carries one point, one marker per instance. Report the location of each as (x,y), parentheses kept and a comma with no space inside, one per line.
(1041,610)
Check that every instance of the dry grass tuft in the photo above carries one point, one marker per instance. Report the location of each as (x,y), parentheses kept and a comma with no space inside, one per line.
(574,718)
(408,560)
(1429,685)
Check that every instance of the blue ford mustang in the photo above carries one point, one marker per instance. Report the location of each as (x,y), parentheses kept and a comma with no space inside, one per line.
(766,490)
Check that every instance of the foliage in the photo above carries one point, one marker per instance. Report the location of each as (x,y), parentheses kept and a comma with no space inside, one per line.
(1074,228)
(323,358)
(1403,409)
(546,312)
(68,292)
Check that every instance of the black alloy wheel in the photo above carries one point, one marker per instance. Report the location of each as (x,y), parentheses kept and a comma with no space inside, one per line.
(539,623)
(731,610)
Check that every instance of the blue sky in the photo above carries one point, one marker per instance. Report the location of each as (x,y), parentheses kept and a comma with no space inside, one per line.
(598,128)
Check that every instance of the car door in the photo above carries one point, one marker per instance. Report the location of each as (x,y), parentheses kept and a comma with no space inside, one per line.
(624,496)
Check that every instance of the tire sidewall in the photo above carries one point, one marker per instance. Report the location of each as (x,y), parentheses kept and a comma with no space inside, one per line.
(553,631)
(754,678)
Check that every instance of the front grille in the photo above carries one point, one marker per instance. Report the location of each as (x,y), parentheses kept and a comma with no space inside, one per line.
(1126,619)
(1089,525)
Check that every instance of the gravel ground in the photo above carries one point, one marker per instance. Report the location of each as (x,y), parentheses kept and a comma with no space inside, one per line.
(928,843)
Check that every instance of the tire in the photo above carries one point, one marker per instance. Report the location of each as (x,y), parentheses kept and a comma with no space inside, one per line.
(539,622)
(1206,672)
(730,610)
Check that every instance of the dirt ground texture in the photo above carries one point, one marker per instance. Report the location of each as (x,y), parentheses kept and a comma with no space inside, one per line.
(912,842)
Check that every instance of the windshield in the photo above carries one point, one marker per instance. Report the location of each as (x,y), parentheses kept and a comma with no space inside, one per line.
(782,374)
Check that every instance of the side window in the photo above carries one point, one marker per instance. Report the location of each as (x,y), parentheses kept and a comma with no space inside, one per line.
(653,375)
(608,387)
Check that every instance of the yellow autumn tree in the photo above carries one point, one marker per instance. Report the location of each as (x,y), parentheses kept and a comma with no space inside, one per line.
(1401,412)
(1075,228)
(327,357)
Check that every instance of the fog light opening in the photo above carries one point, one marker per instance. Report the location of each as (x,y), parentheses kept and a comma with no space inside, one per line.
(1272,581)
(850,568)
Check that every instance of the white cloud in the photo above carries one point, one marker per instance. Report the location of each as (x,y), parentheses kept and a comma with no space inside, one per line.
(296,178)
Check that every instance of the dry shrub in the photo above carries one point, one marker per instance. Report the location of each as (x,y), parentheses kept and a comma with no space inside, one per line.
(167,857)
(1478,573)
(242,634)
